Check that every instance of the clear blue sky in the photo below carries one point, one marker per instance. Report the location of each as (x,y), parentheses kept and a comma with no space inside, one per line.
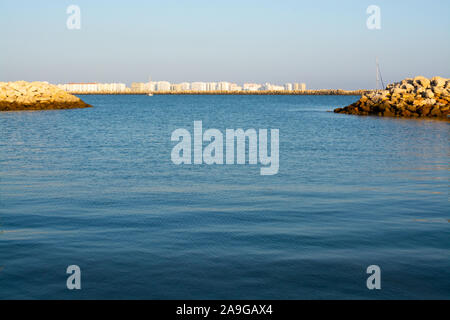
(323,43)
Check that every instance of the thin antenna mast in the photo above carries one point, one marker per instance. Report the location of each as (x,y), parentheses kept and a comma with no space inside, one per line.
(377,75)
(380,82)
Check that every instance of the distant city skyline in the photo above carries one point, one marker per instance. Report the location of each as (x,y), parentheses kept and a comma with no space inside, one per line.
(325,44)
(166,86)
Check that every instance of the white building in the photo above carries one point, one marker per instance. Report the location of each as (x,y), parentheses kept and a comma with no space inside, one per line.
(223,86)
(111,87)
(162,86)
(211,86)
(198,86)
(235,87)
(175,87)
(300,87)
(93,87)
(137,86)
(251,87)
(185,86)
(150,86)
(288,87)
(79,87)
(273,87)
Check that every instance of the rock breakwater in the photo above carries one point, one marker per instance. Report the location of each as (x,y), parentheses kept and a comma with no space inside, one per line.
(22,95)
(414,98)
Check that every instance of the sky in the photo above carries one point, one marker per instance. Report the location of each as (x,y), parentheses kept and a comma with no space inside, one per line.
(325,44)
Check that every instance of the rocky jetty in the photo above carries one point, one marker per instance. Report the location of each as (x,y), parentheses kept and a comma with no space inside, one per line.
(416,98)
(22,95)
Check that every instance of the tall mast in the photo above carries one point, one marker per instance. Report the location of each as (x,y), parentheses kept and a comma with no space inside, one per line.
(377,75)
(380,82)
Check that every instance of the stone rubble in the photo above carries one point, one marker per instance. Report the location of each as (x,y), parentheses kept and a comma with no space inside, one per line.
(417,98)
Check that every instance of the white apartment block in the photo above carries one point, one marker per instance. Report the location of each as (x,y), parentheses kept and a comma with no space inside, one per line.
(150,86)
(223,86)
(198,86)
(111,87)
(185,86)
(162,86)
(211,86)
(138,86)
(251,87)
(176,87)
(234,87)
(273,87)
(93,87)
(299,86)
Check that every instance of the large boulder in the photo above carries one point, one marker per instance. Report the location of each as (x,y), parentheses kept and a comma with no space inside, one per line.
(407,87)
(22,95)
(438,82)
(422,82)
(429,94)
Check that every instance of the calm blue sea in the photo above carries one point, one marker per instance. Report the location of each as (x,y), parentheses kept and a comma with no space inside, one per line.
(96,188)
